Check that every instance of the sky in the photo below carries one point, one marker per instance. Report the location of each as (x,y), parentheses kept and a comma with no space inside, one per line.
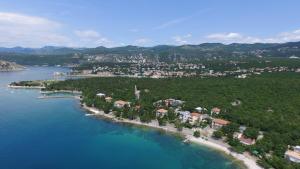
(111,23)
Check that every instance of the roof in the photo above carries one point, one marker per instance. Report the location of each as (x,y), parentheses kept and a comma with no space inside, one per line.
(184,113)
(121,102)
(163,111)
(293,154)
(195,114)
(108,98)
(245,140)
(221,121)
(216,110)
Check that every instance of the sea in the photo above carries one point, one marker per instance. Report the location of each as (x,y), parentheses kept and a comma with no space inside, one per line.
(56,134)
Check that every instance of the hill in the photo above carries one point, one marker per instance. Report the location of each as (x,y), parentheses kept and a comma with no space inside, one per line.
(161,53)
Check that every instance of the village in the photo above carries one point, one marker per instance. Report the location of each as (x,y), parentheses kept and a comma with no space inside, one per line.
(200,123)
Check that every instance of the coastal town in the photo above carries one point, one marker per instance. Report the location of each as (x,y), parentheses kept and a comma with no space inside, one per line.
(167,70)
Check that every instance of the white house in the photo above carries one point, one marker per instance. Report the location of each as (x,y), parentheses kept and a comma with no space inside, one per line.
(120,104)
(184,115)
(293,155)
(199,109)
(108,99)
(101,95)
(173,102)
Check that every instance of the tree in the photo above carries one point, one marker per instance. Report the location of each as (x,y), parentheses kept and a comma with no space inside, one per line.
(171,115)
(162,121)
(178,125)
(218,134)
(251,132)
(197,133)
(230,129)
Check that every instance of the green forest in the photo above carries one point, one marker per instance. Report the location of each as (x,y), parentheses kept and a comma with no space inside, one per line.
(268,103)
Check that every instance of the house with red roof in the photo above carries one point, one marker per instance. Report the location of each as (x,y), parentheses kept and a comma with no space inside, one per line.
(218,123)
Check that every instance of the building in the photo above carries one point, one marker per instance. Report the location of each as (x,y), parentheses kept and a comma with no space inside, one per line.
(215,110)
(218,123)
(173,102)
(242,76)
(120,104)
(293,155)
(195,117)
(101,95)
(108,99)
(244,140)
(184,116)
(200,109)
(161,112)
(137,93)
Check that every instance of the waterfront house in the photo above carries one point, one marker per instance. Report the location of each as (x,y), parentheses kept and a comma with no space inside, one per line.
(101,95)
(218,123)
(120,104)
(215,110)
(161,112)
(293,155)
(244,140)
(184,116)
(195,117)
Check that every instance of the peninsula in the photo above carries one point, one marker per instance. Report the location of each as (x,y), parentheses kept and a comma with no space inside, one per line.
(10,66)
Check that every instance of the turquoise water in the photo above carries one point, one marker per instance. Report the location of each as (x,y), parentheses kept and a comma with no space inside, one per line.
(55,134)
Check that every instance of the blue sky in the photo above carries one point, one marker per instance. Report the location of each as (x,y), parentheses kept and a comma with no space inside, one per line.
(90,23)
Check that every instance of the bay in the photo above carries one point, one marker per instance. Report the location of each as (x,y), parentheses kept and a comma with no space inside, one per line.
(55,134)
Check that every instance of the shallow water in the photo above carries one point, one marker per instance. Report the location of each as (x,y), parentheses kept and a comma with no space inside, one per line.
(55,134)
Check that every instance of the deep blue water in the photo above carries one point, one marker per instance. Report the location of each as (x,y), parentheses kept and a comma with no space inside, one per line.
(55,134)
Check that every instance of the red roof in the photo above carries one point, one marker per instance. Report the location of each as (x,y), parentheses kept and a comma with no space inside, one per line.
(221,122)
(195,114)
(245,140)
(162,111)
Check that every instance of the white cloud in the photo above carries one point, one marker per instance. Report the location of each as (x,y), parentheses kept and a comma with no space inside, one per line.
(240,38)
(92,38)
(180,40)
(29,31)
(232,38)
(32,31)
(142,42)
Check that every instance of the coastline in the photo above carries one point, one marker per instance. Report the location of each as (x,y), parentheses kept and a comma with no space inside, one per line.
(247,160)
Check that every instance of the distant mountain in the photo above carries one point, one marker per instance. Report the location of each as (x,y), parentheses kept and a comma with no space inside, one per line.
(9,66)
(165,53)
